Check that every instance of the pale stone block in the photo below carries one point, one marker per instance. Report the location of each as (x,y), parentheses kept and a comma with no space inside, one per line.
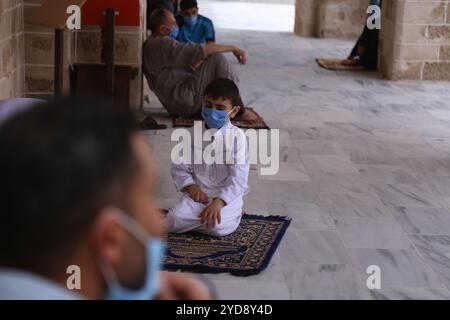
(341,19)
(5,25)
(6,88)
(448,12)
(17,20)
(9,56)
(88,46)
(38,79)
(411,33)
(406,70)
(439,34)
(436,71)
(29,10)
(128,48)
(39,48)
(416,52)
(432,12)
(444,53)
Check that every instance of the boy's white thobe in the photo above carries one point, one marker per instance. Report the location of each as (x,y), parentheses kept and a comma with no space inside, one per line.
(227,180)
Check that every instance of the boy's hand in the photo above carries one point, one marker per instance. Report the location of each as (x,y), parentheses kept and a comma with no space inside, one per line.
(211,214)
(196,194)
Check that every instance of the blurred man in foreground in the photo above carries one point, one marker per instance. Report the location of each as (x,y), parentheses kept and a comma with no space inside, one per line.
(76,195)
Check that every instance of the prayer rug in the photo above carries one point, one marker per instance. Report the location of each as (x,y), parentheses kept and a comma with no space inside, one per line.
(259,123)
(245,252)
(335,64)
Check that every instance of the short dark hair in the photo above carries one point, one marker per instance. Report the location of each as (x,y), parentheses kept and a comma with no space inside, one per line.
(60,163)
(188,4)
(225,89)
(157,18)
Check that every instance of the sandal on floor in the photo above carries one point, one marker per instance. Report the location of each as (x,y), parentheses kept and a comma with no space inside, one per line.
(148,123)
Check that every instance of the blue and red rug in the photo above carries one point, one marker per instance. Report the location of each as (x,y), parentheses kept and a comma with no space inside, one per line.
(245,252)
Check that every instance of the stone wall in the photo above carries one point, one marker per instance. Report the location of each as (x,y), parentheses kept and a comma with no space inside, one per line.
(330,18)
(87,45)
(415,40)
(11,49)
(39,56)
(83,45)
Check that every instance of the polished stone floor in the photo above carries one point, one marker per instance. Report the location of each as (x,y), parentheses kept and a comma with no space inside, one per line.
(364,174)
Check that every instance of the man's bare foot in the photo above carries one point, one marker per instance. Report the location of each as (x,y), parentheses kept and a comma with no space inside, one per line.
(248,116)
(350,62)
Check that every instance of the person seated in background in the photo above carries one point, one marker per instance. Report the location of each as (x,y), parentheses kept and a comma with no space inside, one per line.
(77,193)
(178,73)
(193,26)
(212,194)
(365,51)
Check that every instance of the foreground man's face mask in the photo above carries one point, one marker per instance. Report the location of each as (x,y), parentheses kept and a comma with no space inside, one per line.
(155,249)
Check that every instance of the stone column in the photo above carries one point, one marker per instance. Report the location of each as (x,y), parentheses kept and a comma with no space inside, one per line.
(415,40)
(306,17)
(11,49)
(330,18)
(39,56)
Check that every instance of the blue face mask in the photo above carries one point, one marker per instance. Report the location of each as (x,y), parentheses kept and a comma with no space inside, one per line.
(191,21)
(155,250)
(174,32)
(215,118)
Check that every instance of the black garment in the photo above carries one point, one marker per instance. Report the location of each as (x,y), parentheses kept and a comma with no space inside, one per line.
(188,4)
(369,39)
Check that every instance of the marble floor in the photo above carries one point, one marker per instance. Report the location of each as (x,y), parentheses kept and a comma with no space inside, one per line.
(364,174)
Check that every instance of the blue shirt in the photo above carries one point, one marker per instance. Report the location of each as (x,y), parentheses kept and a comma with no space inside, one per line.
(22,285)
(201,32)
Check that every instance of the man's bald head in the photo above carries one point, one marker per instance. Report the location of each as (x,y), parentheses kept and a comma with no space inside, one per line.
(158,18)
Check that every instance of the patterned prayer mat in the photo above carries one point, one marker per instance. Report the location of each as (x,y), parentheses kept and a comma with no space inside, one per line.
(335,64)
(259,123)
(245,252)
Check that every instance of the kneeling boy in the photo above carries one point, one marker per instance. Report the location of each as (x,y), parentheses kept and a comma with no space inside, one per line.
(212,194)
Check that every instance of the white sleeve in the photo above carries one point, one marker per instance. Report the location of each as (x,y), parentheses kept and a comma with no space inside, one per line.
(236,184)
(182,172)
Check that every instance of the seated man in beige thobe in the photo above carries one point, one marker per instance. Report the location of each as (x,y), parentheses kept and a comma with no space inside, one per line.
(178,73)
